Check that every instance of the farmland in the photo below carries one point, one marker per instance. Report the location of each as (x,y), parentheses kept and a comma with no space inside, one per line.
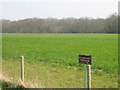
(64,49)
(53,50)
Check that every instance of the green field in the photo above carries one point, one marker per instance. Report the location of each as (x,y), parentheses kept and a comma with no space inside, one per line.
(41,75)
(64,48)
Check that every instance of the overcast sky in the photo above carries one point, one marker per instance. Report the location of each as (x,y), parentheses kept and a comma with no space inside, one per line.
(20,9)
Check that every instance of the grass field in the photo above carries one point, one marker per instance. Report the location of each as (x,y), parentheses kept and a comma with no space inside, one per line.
(64,48)
(41,75)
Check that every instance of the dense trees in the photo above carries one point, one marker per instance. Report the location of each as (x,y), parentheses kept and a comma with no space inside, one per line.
(66,25)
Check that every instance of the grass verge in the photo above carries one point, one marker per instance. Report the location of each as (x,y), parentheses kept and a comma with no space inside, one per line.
(41,75)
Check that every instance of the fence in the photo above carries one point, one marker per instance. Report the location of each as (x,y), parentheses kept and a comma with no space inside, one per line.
(33,60)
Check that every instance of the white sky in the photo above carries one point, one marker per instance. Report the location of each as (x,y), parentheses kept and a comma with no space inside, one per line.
(21,9)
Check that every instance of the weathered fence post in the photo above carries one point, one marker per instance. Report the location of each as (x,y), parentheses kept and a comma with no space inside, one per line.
(22,68)
(89,76)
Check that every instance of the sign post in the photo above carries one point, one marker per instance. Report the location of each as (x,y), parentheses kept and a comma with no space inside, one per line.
(85,76)
(89,76)
(86,60)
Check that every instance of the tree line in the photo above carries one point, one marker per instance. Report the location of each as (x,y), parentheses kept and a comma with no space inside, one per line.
(65,25)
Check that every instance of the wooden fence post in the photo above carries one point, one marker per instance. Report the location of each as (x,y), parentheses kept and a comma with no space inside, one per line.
(89,76)
(22,68)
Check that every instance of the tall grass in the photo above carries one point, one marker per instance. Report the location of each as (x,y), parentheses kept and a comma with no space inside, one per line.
(42,75)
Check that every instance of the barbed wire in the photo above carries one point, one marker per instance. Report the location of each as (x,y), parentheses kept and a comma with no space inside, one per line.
(33,60)
(39,61)
(10,57)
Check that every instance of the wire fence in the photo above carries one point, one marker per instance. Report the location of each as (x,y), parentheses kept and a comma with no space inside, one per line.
(52,63)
